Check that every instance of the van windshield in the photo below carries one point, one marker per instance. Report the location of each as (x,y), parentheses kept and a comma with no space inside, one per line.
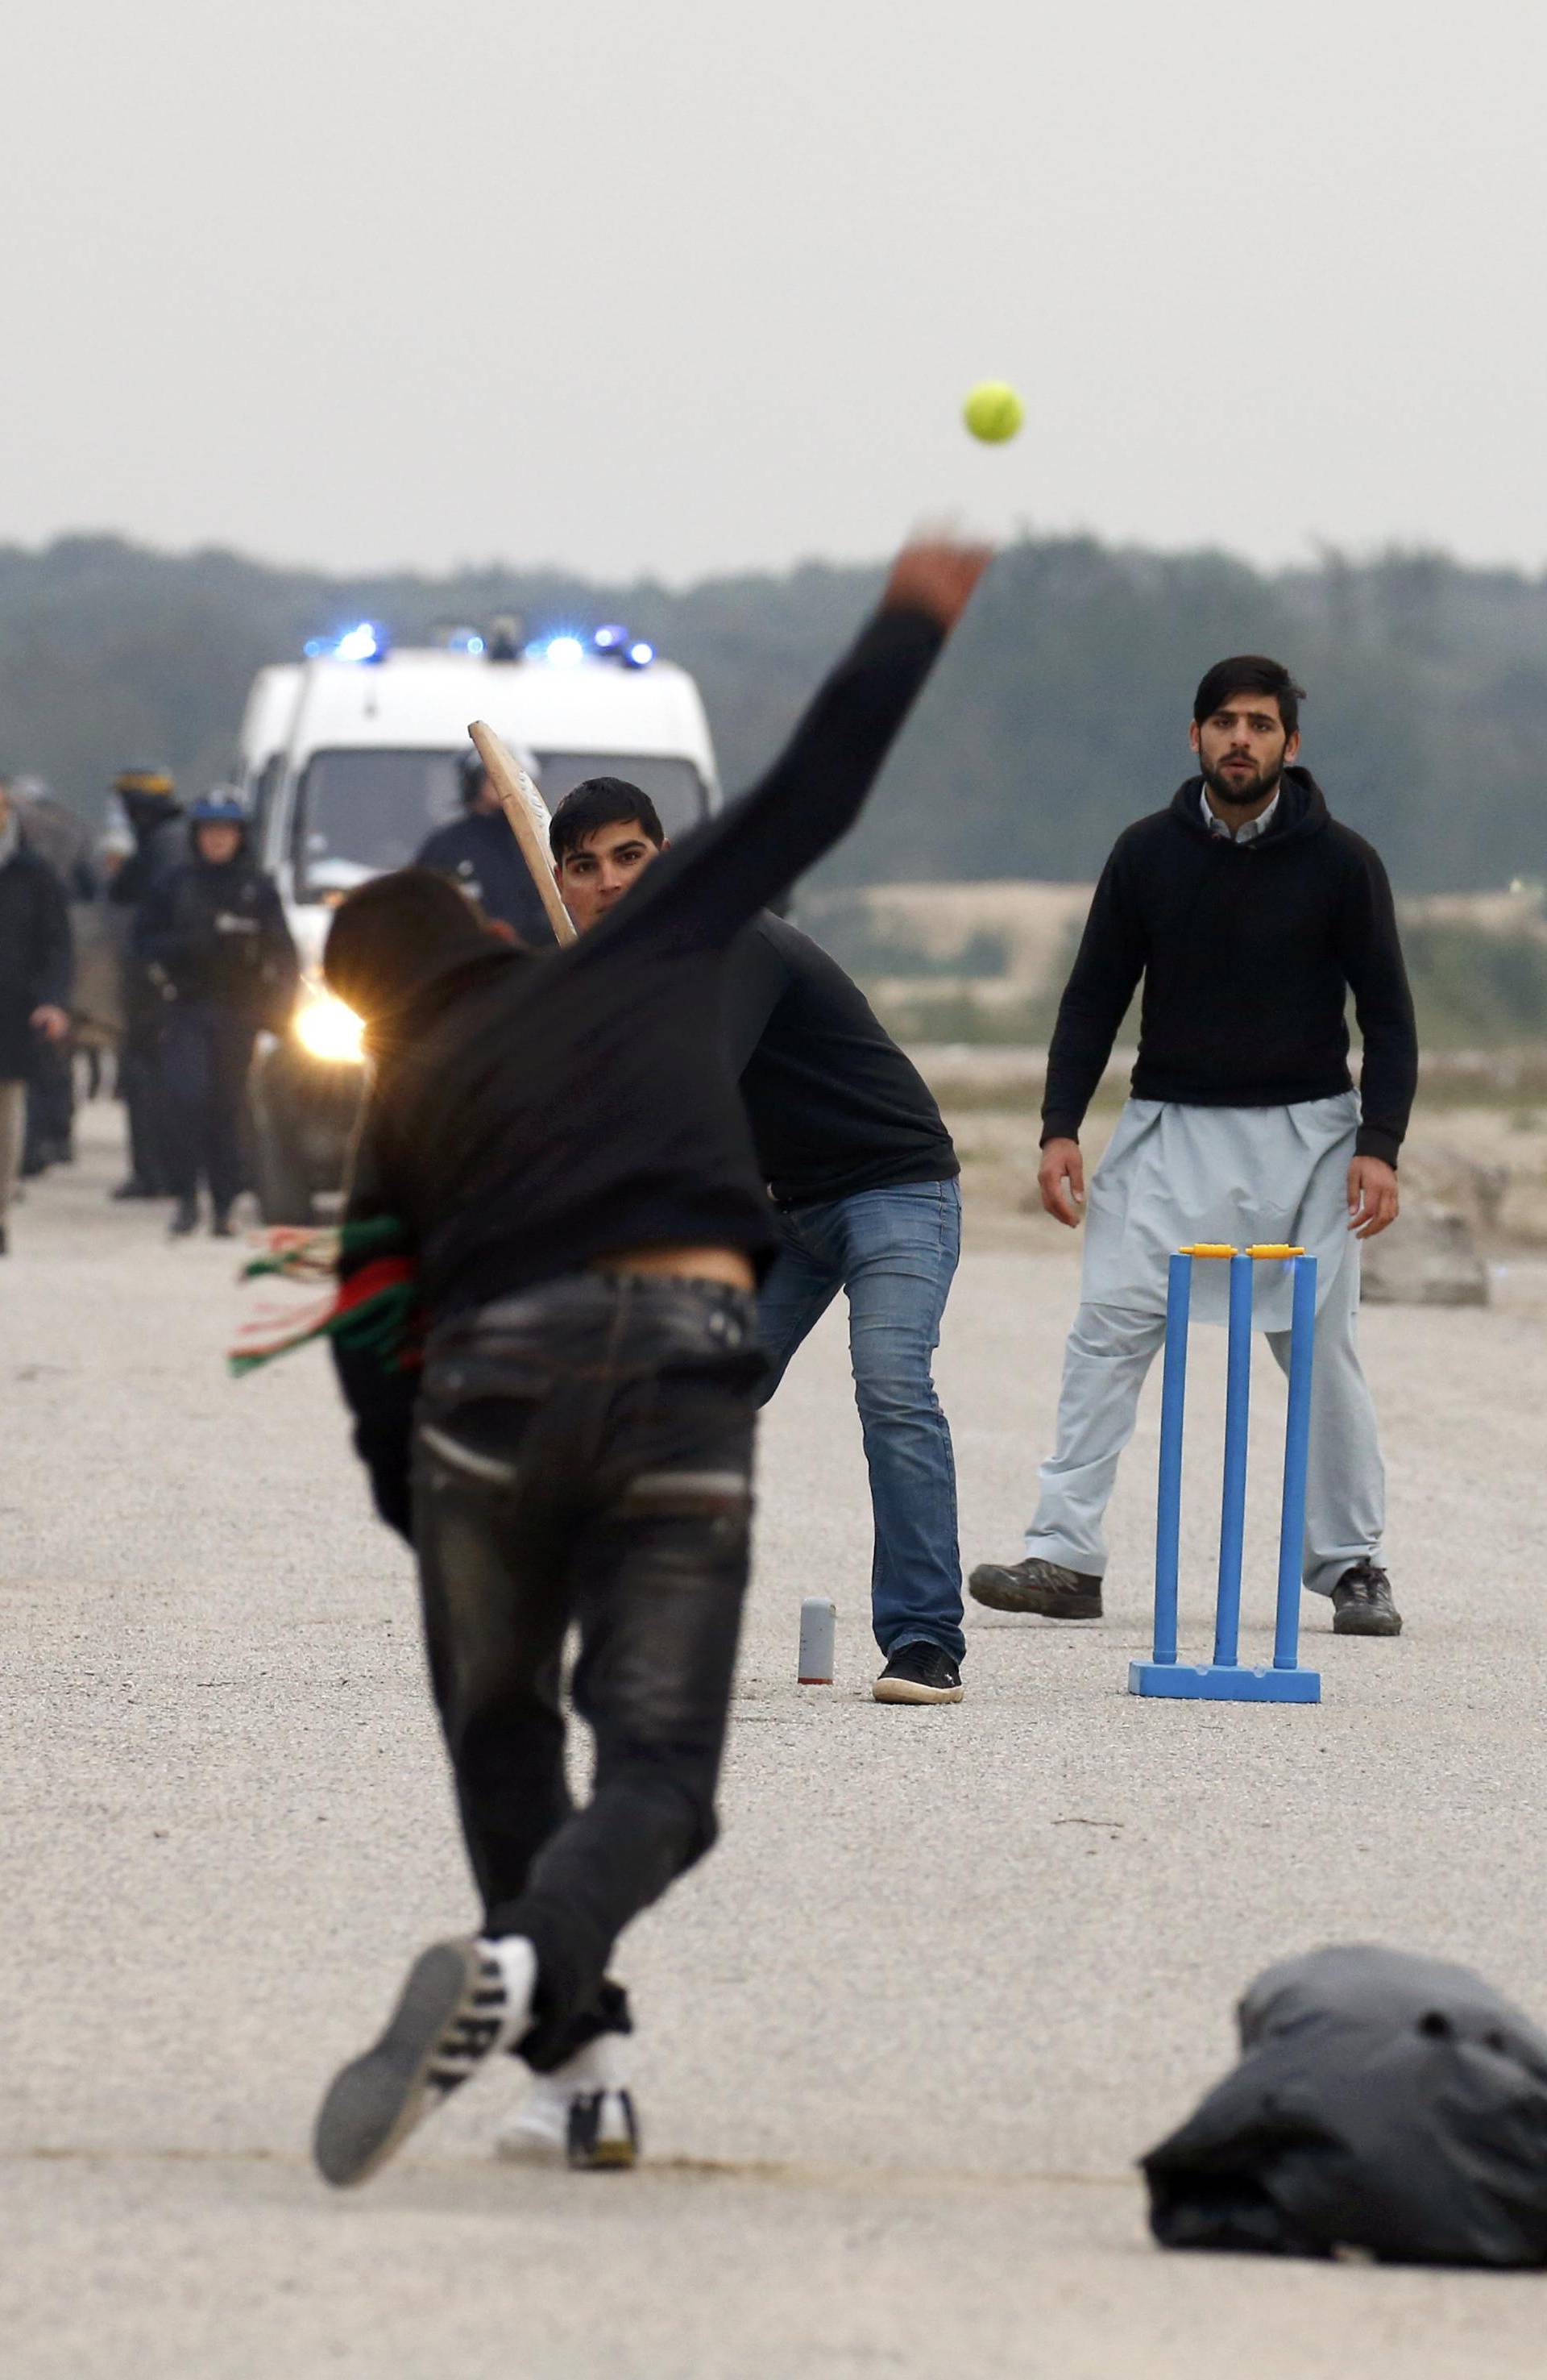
(359,813)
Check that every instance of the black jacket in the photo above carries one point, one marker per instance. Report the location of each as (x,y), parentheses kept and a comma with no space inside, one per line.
(1248,953)
(835,1107)
(35,956)
(480,853)
(1383,2102)
(219,935)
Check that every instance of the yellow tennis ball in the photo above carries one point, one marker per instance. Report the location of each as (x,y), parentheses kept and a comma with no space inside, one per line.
(993,412)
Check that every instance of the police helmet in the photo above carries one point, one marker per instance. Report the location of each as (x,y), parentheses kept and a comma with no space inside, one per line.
(471,773)
(145,777)
(221,806)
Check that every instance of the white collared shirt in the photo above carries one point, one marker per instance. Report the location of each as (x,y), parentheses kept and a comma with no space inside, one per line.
(1247,834)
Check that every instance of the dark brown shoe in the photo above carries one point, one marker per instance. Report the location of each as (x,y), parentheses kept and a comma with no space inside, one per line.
(1361,1604)
(1036,1585)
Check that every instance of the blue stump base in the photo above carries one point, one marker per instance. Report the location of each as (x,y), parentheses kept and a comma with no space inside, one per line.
(1217,1683)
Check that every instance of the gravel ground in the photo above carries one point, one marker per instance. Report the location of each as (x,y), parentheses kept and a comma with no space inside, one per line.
(901,2037)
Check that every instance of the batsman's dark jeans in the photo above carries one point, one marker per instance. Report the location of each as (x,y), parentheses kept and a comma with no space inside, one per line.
(583,1454)
(206,1053)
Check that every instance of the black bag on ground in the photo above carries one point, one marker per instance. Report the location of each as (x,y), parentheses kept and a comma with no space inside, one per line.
(1385,2103)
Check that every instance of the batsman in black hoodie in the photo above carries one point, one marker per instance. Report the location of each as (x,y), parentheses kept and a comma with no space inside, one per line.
(1249,914)
(558,1140)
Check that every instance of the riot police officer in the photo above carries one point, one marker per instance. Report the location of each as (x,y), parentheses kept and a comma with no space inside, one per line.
(145,811)
(479,853)
(213,938)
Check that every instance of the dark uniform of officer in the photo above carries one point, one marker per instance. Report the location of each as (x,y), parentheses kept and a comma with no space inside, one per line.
(479,853)
(213,940)
(156,820)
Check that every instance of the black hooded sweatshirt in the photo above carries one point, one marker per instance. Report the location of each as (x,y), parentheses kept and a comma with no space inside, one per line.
(1248,952)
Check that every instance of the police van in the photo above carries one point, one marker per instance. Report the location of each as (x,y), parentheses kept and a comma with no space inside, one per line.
(351,758)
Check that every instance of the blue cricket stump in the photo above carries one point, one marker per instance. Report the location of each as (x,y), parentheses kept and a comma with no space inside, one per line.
(1225,1679)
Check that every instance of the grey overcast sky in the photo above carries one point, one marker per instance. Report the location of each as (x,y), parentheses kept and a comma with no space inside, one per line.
(684,287)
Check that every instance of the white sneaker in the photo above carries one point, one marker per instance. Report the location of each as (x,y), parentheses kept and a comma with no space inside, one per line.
(580,2114)
(463,2001)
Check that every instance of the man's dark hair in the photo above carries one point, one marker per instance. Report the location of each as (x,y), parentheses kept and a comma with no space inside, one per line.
(393,935)
(1248,673)
(603,801)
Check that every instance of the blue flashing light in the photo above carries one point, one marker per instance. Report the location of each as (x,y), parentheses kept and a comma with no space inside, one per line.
(464,640)
(567,647)
(364,643)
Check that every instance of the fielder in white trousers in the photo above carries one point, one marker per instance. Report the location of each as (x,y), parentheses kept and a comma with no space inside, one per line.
(1173,1175)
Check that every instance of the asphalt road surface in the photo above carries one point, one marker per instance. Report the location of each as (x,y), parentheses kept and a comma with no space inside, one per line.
(901,2037)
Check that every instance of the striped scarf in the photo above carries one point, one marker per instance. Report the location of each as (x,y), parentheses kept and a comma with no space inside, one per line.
(372,1306)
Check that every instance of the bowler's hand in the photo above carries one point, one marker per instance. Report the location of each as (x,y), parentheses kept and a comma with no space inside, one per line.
(52,1022)
(1062,1180)
(936,575)
(1373,1200)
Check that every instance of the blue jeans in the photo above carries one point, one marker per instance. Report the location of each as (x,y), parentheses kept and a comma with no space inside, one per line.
(894,1253)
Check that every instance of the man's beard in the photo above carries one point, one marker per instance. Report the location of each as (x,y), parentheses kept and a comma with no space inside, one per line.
(1243,791)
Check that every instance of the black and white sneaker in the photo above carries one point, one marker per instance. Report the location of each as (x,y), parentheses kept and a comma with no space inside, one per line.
(603,2132)
(463,2001)
(919,1673)
(580,2114)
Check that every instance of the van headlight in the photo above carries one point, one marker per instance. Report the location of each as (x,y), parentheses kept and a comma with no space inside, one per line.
(327,1029)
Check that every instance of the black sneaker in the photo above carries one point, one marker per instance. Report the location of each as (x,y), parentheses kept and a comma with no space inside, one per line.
(919,1673)
(455,2010)
(1361,1604)
(222,1227)
(134,1188)
(186,1220)
(1036,1585)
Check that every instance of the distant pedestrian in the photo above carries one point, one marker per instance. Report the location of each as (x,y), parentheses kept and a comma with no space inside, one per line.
(146,808)
(479,851)
(62,840)
(213,943)
(35,964)
(1251,915)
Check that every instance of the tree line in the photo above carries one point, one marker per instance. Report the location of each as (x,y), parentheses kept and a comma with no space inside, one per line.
(1058,714)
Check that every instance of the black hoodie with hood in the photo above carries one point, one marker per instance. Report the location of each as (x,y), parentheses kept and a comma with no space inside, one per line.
(1248,952)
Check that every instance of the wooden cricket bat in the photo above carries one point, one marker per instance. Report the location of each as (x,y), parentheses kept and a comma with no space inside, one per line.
(529,822)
